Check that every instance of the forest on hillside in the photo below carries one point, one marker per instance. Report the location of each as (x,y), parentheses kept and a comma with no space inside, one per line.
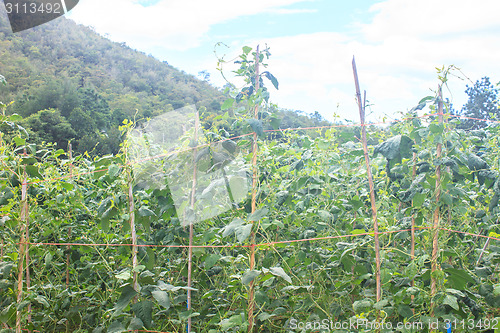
(71,84)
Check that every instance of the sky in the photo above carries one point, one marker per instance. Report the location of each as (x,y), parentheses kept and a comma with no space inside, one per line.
(398,44)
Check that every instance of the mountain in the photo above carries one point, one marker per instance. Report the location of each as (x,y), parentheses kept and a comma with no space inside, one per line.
(69,82)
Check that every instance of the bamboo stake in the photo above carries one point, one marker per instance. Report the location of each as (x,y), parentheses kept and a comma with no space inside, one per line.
(370,182)
(22,246)
(251,291)
(70,152)
(482,251)
(132,230)
(436,217)
(133,234)
(28,277)
(412,249)
(191,229)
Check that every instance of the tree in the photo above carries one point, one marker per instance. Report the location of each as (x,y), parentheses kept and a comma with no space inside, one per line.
(482,104)
(49,126)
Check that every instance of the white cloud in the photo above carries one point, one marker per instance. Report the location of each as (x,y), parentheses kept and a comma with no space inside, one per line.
(430,18)
(396,54)
(174,24)
(396,51)
(286,11)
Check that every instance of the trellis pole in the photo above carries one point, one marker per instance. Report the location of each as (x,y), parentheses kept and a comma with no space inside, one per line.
(23,253)
(251,290)
(68,248)
(28,276)
(436,216)
(133,234)
(412,245)
(370,182)
(191,228)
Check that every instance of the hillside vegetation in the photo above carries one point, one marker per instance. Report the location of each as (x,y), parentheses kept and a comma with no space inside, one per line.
(69,83)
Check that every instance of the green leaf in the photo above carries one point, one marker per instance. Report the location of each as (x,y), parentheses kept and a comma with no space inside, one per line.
(381,304)
(116,327)
(231,227)
(451,301)
(15,117)
(278,271)
(405,311)
(7,313)
(246,49)
(67,186)
(436,128)
(395,148)
(237,320)
(243,232)
(446,199)
(19,141)
(427,99)
(229,145)
(458,278)
(475,162)
(418,199)
(42,300)
(135,324)
(5,268)
(33,171)
(258,214)
(145,211)
(228,103)
(127,294)
(238,187)
(275,123)
(211,260)
(144,311)
(113,170)
(249,276)
(496,290)
(263,316)
(256,126)
(48,259)
(185,315)
(162,298)
(271,78)
(109,213)
(22,305)
(362,306)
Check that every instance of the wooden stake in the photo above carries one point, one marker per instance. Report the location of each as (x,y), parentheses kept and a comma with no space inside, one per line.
(370,182)
(191,228)
(436,217)
(22,245)
(133,234)
(251,290)
(68,248)
(28,276)
(412,249)
(132,231)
